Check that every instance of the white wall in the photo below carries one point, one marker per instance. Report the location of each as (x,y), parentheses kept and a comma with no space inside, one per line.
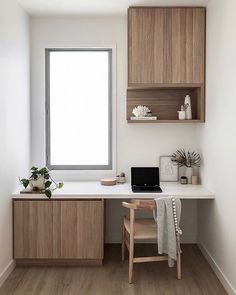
(137,144)
(217,221)
(14,116)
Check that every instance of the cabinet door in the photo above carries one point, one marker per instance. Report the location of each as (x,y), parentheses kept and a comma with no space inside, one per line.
(33,229)
(82,229)
(187,39)
(141,23)
(166,45)
(58,229)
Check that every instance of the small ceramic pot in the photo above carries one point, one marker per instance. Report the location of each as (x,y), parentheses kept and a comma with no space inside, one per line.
(194,179)
(181,115)
(183,180)
(121,179)
(189,174)
(38,184)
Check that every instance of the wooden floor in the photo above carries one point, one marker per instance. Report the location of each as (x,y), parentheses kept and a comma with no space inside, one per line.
(111,278)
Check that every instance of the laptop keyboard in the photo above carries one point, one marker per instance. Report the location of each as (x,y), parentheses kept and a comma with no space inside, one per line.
(146,189)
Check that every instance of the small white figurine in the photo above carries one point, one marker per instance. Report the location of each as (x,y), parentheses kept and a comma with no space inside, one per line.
(140,111)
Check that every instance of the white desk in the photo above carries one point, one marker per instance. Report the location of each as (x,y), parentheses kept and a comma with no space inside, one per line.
(93,189)
(38,221)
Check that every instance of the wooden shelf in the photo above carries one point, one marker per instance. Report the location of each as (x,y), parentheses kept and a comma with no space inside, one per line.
(165,101)
(166,121)
(146,86)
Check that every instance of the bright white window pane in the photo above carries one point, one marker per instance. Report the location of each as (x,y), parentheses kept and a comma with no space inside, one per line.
(79,107)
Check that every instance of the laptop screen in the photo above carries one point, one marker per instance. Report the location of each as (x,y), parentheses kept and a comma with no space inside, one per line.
(145,176)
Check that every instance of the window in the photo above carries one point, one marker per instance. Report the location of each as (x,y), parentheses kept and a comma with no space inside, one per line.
(78,109)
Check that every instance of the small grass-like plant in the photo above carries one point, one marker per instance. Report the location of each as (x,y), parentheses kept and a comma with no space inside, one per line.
(187,159)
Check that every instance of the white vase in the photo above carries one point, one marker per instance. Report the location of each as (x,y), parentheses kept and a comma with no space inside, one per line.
(188,111)
(189,174)
(38,184)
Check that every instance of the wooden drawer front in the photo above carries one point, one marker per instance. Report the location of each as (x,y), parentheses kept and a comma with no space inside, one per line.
(58,229)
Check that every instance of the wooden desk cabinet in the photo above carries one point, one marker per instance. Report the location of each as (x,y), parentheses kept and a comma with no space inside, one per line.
(58,231)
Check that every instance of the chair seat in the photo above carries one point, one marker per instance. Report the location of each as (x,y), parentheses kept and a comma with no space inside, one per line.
(143,228)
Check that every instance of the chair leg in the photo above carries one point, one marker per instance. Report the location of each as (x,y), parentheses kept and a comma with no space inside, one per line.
(179,266)
(131,263)
(131,246)
(123,242)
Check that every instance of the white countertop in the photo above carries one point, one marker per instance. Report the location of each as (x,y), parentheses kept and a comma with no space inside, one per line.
(93,189)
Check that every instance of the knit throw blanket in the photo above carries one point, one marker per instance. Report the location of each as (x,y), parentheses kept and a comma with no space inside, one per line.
(167,215)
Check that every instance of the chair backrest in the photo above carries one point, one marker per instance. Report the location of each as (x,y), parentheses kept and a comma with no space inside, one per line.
(140,204)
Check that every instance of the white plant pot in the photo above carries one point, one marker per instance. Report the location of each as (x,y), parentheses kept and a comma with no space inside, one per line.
(189,174)
(38,184)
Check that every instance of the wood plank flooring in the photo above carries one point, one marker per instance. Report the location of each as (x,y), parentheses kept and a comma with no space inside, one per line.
(112,277)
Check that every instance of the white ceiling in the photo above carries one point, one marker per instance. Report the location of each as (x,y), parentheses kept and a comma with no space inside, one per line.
(96,7)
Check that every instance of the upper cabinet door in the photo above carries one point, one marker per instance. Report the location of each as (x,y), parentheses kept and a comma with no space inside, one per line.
(166,45)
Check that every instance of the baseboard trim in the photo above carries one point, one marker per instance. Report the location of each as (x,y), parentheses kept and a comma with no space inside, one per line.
(223,279)
(7,271)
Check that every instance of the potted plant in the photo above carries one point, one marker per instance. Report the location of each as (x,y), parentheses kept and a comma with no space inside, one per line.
(40,180)
(187,160)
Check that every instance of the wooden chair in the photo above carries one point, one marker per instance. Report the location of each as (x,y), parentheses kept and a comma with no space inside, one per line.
(141,229)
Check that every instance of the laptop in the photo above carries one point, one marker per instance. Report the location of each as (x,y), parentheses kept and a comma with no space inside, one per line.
(145,180)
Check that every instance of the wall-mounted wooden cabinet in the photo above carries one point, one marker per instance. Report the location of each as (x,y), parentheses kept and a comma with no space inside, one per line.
(58,231)
(166,50)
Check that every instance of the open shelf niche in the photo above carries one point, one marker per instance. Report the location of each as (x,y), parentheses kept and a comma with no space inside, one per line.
(165,101)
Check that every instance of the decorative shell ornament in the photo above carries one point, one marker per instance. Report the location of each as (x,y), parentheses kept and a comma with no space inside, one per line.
(140,111)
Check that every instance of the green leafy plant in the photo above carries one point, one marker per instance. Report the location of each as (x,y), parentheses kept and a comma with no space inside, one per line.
(188,159)
(49,184)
